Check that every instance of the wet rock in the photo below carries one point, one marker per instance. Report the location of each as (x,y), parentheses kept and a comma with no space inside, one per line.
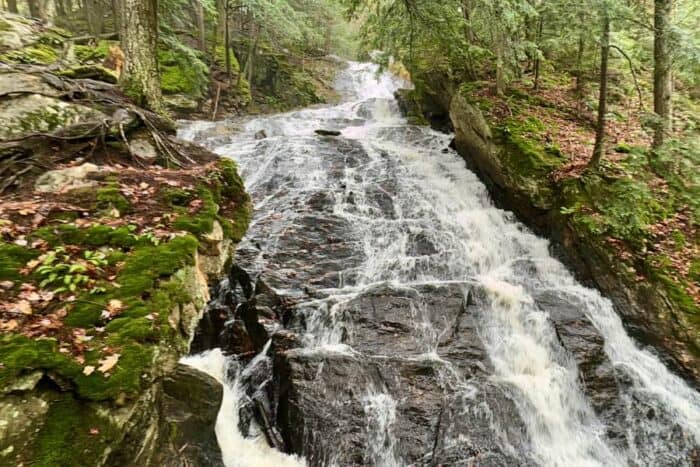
(393,332)
(262,134)
(421,245)
(189,409)
(583,341)
(328,132)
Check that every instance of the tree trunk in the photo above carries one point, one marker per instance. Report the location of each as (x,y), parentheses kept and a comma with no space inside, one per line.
(599,147)
(60,9)
(94,16)
(222,10)
(468,37)
(12,6)
(198,10)
(227,43)
(663,83)
(540,28)
(250,63)
(499,38)
(139,38)
(37,10)
(579,66)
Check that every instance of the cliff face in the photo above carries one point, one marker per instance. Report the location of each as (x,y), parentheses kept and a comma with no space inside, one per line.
(518,169)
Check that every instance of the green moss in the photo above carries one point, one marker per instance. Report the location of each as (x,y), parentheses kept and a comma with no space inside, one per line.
(111,198)
(527,155)
(66,440)
(183,72)
(176,196)
(126,377)
(232,186)
(137,278)
(623,148)
(203,221)
(12,259)
(220,59)
(96,72)
(94,236)
(37,54)
(236,227)
(19,354)
(678,294)
(85,53)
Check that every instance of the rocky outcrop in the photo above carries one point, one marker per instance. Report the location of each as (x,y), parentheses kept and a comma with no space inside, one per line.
(169,423)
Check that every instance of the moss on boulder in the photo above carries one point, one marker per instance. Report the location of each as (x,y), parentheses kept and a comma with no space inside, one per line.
(131,333)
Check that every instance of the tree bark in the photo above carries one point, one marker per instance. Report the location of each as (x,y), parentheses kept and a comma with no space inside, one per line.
(663,83)
(579,66)
(227,43)
(138,20)
(12,6)
(599,147)
(37,10)
(94,16)
(540,28)
(198,10)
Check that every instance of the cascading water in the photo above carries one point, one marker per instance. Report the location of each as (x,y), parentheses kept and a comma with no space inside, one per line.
(402,224)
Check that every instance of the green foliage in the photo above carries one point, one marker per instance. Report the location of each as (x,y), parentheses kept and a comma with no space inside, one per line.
(182,69)
(63,273)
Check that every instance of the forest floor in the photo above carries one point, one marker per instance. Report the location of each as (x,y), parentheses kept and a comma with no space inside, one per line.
(648,204)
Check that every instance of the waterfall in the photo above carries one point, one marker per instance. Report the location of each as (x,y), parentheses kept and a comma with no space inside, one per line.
(415,221)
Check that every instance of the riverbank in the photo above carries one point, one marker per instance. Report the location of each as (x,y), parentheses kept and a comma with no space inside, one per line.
(630,228)
(112,231)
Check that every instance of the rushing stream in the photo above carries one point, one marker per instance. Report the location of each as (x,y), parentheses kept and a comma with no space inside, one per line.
(434,329)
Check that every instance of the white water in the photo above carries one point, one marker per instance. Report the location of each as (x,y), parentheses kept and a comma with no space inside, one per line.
(477,245)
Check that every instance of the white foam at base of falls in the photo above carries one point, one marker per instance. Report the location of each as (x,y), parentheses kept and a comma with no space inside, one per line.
(236,449)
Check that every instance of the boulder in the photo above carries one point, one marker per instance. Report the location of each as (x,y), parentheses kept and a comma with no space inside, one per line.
(25,83)
(15,31)
(35,113)
(67,179)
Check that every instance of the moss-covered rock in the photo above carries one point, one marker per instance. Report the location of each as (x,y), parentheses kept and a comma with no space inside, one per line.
(35,113)
(96,72)
(111,406)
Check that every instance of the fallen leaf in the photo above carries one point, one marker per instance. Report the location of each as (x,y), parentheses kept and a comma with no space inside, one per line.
(114,308)
(88,370)
(7,285)
(23,307)
(10,325)
(108,363)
